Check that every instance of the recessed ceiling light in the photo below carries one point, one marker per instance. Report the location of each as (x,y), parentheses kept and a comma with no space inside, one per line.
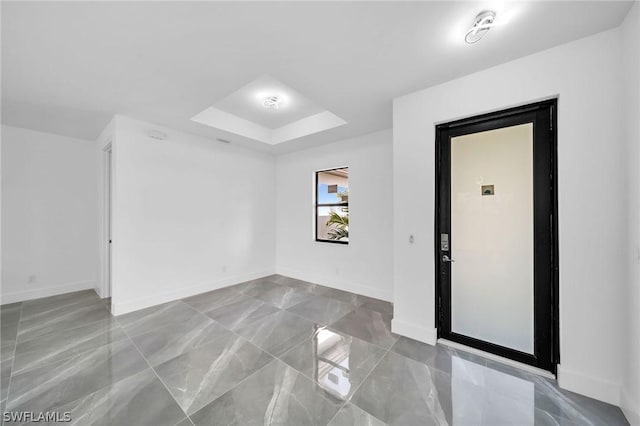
(272,102)
(481,26)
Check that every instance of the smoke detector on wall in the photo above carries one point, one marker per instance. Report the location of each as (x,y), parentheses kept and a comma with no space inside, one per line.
(157,134)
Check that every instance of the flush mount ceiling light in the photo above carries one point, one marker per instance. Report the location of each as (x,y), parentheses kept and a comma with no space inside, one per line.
(272,102)
(481,26)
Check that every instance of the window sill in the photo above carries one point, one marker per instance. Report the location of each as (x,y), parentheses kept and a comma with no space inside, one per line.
(344,243)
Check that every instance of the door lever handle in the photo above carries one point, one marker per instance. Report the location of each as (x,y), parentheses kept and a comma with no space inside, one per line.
(446,258)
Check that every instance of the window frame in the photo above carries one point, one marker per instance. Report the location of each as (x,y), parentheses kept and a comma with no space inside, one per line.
(317,205)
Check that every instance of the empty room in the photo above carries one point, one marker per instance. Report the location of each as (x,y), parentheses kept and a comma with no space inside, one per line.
(333,213)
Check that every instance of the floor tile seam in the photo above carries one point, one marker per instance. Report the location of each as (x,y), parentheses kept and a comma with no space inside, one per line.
(237,384)
(481,387)
(340,300)
(264,302)
(384,314)
(250,342)
(6,324)
(73,305)
(91,323)
(239,336)
(76,306)
(315,296)
(90,291)
(506,395)
(311,378)
(331,327)
(349,400)
(286,341)
(12,361)
(263,350)
(562,415)
(519,401)
(244,291)
(96,391)
(4,305)
(100,387)
(279,310)
(155,373)
(306,298)
(180,301)
(342,333)
(242,337)
(280,358)
(67,357)
(412,360)
(315,386)
(327,325)
(65,329)
(158,326)
(430,367)
(59,305)
(237,292)
(274,360)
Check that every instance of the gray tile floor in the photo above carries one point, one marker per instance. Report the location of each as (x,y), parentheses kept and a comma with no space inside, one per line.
(270,351)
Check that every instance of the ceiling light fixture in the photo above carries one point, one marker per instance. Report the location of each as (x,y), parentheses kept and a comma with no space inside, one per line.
(272,102)
(481,26)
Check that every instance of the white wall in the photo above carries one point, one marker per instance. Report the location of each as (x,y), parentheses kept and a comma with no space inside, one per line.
(189,215)
(592,197)
(631,68)
(49,211)
(364,265)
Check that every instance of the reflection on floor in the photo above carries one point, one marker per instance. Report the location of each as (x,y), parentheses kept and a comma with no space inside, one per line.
(270,351)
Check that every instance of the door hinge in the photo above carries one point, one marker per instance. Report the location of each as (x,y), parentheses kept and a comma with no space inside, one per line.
(551,119)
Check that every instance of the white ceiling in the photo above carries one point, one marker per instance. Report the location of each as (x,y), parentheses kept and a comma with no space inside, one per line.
(243,113)
(67,67)
(246,103)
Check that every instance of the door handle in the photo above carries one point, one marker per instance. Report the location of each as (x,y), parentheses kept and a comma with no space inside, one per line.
(446,258)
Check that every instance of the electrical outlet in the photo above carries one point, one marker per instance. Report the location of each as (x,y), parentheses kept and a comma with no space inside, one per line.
(32,279)
(224,268)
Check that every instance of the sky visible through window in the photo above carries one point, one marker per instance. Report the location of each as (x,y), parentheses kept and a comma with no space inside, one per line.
(325,198)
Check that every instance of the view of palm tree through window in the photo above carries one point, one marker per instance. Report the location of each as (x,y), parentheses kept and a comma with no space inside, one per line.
(332,205)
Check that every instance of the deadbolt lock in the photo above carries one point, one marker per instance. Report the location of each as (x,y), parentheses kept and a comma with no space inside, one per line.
(444,242)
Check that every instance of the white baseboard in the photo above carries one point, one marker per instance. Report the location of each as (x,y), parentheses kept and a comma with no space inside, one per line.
(98,290)
(37,293)
(119,308)
(630,408)
(337,283)
(590,386)
(414,331)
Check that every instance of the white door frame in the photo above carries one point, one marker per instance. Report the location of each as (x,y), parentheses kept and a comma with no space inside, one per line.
(107,253)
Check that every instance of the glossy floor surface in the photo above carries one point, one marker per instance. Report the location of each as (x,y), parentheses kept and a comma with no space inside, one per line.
(271,351)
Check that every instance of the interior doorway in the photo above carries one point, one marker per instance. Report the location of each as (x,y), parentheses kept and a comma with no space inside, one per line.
(496,233)
(108,172)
